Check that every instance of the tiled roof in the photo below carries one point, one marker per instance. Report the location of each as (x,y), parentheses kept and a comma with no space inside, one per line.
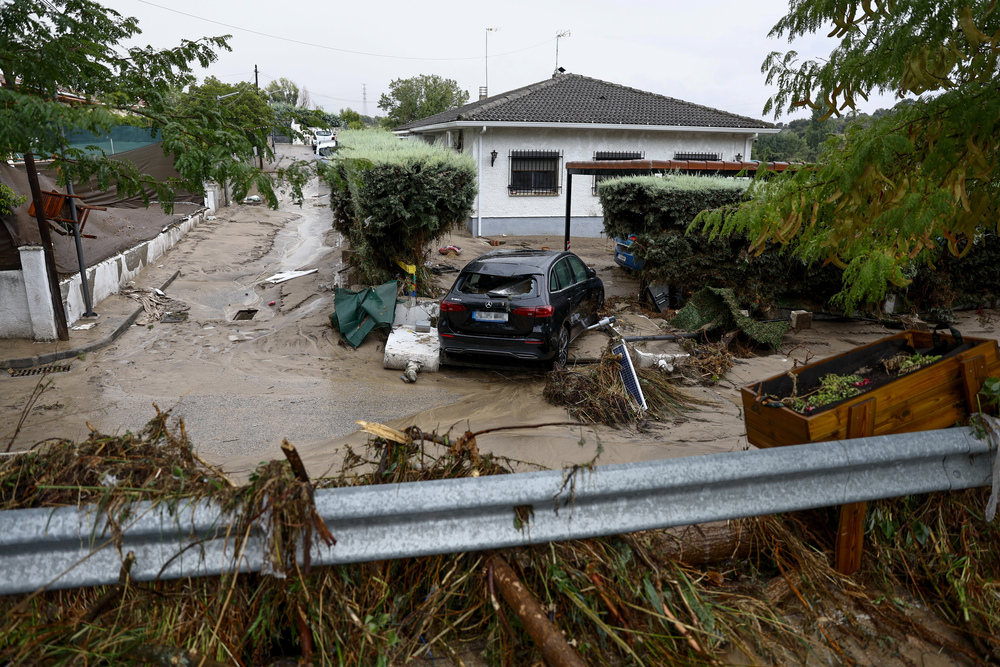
(572,98)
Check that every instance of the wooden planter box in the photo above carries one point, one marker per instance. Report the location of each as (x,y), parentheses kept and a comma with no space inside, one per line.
(936,396)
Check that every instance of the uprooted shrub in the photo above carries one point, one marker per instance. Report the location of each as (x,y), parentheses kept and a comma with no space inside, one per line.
(392,198)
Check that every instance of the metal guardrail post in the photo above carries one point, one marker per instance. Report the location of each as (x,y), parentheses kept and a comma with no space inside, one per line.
(71,547)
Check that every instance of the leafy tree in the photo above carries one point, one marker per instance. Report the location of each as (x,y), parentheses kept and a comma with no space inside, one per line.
(785,146)
(283,90)
(49,48)
(239,105)
(884,197)
(351,119)
(419,97)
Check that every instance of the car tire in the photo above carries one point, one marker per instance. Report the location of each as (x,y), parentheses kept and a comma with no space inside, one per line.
(562,348)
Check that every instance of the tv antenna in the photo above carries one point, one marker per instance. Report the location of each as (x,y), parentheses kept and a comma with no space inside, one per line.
(560,35)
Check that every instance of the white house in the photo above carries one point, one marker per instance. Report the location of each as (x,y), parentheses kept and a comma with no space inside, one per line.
(522,139)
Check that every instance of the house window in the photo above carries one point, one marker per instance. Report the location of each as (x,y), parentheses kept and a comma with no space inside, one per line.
(534,172)
(614,155)
(697,156)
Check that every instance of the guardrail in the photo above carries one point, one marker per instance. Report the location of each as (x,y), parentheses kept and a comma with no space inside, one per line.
(71,547)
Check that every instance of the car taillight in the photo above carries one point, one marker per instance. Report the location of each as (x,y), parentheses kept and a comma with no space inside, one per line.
(534,311)
(451,307)
(633,237)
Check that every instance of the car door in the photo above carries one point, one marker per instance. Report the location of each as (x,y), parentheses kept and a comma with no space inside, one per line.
(591,288)
(568,296)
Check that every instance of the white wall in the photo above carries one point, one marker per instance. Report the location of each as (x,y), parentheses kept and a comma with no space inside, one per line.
(25,305)
(15,308)
(518,213)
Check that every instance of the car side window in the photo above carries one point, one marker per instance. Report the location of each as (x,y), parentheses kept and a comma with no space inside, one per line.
(579,268)
(553,281)
(565,273)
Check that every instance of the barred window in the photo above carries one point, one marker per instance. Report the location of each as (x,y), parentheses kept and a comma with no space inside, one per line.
(534,172)
(697,156)
(614,155)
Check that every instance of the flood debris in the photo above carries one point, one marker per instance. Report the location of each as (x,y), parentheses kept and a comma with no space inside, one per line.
(596,394)
(284,276)
(356,314)
(765,594)
(155,304)
(715,309)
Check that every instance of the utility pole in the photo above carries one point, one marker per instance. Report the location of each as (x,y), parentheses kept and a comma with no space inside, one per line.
(62,330)
(225,185)
(256,81)
(364,100)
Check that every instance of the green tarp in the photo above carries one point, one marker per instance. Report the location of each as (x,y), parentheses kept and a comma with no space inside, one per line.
(714,308)
(357,313)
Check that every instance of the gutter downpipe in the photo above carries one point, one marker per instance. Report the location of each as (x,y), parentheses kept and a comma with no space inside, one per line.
(479,195)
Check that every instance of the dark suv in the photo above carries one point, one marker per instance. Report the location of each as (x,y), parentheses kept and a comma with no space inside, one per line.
(527,304)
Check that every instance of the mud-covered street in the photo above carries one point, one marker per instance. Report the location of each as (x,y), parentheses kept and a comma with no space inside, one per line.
(242,386)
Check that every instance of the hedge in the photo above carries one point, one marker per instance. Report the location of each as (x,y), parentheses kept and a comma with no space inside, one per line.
(658,211)
(391,198)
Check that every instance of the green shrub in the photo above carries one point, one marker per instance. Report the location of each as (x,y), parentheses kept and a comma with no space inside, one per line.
(649,204)
(658,211)
(949,281)
(9,200)
(391,198)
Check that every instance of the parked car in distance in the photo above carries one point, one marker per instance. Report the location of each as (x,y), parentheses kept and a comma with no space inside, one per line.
(325,149)
(525,304)
(624,257)
(320,136)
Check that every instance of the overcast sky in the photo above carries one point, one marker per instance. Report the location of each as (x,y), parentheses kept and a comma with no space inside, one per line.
(708,52)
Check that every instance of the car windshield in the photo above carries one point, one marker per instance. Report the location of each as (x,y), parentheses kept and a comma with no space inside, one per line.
(508,286)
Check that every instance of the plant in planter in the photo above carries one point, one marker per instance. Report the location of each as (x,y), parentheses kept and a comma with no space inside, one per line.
(832,388)
(904,363)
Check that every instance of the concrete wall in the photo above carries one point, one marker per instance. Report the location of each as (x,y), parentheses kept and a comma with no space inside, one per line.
(25,305)
(537,214)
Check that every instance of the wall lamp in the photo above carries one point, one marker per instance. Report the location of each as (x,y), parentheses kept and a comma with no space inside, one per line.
(493,158)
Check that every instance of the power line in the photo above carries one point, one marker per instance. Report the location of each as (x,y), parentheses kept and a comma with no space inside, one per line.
(332,48)
(314,94)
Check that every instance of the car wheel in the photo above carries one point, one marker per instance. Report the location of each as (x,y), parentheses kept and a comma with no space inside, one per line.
(562,348)
(600,306)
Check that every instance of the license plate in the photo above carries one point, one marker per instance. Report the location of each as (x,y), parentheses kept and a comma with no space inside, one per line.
(488,316)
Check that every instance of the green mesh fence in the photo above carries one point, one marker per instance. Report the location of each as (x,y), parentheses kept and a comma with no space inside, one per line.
(121,139)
